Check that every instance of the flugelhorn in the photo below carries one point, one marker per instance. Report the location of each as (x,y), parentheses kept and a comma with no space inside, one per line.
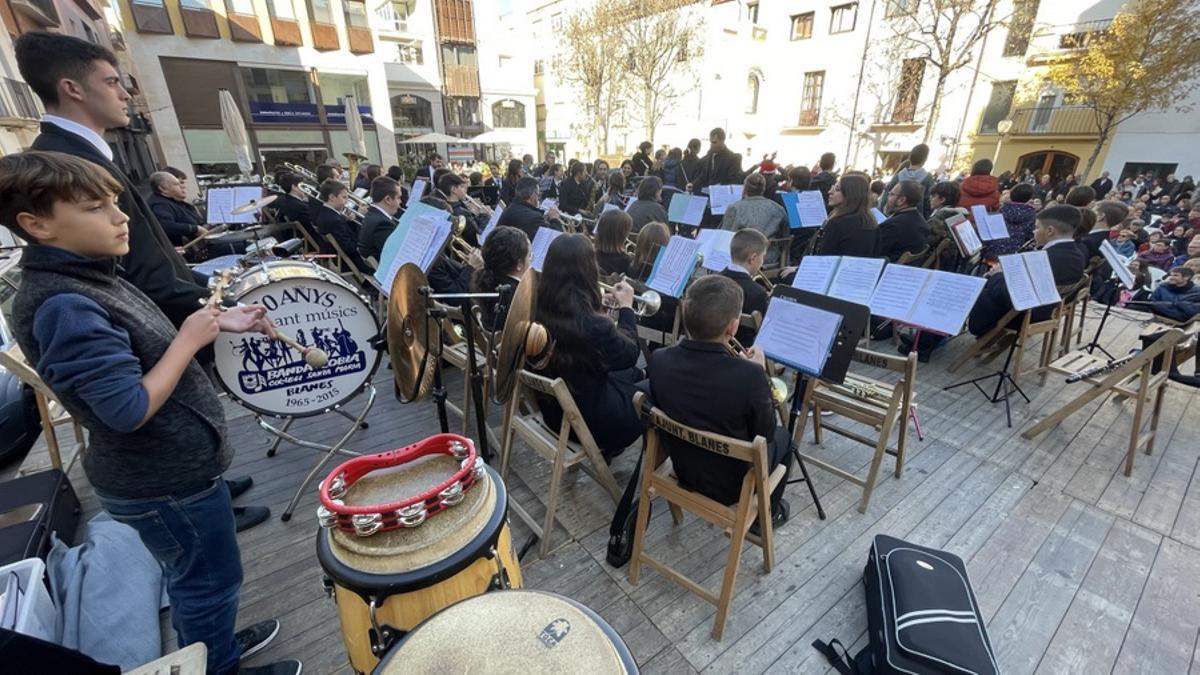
(459,246)
(779,388)
(645,304)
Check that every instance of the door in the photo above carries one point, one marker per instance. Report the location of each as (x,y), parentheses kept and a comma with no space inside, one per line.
(1058,164)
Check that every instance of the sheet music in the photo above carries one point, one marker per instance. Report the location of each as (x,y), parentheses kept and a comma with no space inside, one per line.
(897,291)
(491,224)
(808,208)
(714,246)
(418,191)
(855,279)
(816,273)
(1018,282)
(388,267)
(979,215)
(361,192)
(798,335)
(968,240)
(995,228)
(1038,263)
(879,216)
(674,266)
(686,209)
(548,203)
(721,196)
(946,302)
(609,206)
(1117,263)
(541,244)
(220,202)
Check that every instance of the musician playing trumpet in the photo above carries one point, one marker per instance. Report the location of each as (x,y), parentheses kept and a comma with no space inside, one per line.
(293,206)
(746,252)
(380,220)
(523,212)
(331,220)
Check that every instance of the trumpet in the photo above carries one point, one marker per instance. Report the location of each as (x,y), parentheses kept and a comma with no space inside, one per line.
(645,304)
(779,388)
(476,207)
(764,282)
(459,247)
(860,389)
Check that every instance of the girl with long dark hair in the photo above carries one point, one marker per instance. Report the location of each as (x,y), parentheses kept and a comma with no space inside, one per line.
(509,184)
(506,255)
(611,232)
(850,228)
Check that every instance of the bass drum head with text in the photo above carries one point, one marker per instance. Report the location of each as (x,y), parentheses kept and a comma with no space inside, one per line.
(315,308)
(519,631)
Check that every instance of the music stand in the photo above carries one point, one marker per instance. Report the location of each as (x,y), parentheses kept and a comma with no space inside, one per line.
(1111,292)
(1003,380)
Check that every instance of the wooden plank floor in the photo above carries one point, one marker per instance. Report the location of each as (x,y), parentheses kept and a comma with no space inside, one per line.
(1078,568)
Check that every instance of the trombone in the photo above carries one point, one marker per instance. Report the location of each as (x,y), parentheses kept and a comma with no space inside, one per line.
(645,304)
(779,388)
(359,203)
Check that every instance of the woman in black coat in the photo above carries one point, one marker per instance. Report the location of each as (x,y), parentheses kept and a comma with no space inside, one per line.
(850,228)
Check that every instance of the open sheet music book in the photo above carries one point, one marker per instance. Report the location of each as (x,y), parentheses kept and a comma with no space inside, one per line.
(714,247)
(879,216)
(931,300)
(221,201)
(491,223)
(1118,264)
(845,277)
(965,236)
(418,191)
(1029,279)
(798,335)
(674,266)
(804,209)
(541,244)
(418,238)
(721,196)
(990,226)
(686,209)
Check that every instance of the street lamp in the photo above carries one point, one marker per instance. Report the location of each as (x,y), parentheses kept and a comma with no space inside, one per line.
(1003,126)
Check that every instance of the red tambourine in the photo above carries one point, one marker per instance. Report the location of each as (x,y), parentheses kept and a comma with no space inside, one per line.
(366,520)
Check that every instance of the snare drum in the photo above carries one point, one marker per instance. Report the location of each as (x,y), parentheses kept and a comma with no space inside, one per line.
(317,308)
(527,632)
(393,580)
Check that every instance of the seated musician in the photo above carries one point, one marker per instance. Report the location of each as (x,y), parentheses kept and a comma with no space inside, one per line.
(757,212)
(647,208)
(506,255)
(380,220)
(179,219)
(595,357)
(850,228)
(453,188)
(700,383)
(324,172)
(905,230)
(573,192)
(331,220)
(746,252)
(612,231)
(523,212)
(293,206)
(650,241)
(1053,231)
(615,194)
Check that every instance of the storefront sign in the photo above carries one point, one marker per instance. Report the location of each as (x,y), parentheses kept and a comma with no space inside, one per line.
(336,114)
(284,113)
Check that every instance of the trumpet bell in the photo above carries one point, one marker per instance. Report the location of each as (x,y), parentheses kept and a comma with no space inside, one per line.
(651,303)
(779,389)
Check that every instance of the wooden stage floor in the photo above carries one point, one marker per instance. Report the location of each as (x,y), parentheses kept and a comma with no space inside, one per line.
(1078,568)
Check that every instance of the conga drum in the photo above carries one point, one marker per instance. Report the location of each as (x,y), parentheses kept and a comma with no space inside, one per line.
(390,575)
(522,632)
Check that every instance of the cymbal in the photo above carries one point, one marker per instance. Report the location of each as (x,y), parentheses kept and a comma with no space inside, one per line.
(253,205)
(406,329)
(518,329)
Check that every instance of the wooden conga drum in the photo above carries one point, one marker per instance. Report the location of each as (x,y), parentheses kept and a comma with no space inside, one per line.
(521,632)
(387,583)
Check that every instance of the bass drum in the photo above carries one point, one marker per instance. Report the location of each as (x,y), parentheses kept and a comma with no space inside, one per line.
(318,309)
(391,581)
(527,632)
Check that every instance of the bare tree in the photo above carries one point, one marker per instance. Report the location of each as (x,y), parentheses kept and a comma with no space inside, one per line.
(590,67)
(945,34)
(661,41)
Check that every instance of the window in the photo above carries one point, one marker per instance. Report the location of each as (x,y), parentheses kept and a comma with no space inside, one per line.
(335,87)
(911,74)
(900,8)
(802,26)
(842,18)
(198,5)
(281,9)
(752,12)
(265,85)
(245,7)
(321,11)
(150,3)
(810,103)
(1043,112)
(539,67)
(394,16)
(998,106)
(508,114)
(355,12)
(458,55)
(409,52)
(462,112)
(752,86)
(409,112)
(503,61)
(1020,27)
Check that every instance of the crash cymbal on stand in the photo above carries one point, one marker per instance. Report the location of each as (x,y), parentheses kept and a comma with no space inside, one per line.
(520,334)
(253,205)
(406,328)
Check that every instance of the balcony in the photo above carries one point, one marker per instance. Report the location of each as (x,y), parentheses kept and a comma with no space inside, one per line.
(244,27)
(393,18)
(18,107)
(40,12)
(1059,121)
(462,81)
(286,32)
(360,40)
(1057,43)
(325,37)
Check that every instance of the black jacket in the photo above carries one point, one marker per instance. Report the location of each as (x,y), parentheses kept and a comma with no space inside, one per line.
(572,196)
(641,164)
(333,223)
(849,235)
(374,232)
(613,263)
(179,220)
(295,210)
(1102,186)
(754,299)
(1067,263)
(718,167)
(152,265)
(905,232)
(447,276)
(701,384)
(525,218)
(823,181)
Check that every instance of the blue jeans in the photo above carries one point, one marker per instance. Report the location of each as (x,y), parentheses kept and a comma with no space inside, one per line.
(194,539)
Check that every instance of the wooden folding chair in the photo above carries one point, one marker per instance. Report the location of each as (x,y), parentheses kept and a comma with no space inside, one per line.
(50,409)
(1134,378)
(523,418)
(1076,296)
(346,266)
(310,245)
(454,351)
(911,259)
(753,503)
(784,246)
(876,404)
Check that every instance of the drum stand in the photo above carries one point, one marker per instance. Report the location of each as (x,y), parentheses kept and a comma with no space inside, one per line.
(282,434)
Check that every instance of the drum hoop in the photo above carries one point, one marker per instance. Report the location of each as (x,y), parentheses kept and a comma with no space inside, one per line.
(618,643)
(379,587)
(350,395)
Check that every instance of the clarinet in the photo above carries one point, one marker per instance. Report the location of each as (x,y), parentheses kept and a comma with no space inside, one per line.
(1101,370)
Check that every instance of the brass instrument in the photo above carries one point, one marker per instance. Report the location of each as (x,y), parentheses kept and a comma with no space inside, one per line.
(459,248)
(645,304)
(359,203)
(577,223)
(860,389)
(764,282)
(779,388)
(476,207)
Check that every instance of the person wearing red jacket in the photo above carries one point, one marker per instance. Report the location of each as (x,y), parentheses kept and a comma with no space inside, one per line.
(981,188)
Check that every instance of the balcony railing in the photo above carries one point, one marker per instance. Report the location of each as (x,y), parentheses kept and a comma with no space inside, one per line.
(1053,121)
(20,103)
(1062,42)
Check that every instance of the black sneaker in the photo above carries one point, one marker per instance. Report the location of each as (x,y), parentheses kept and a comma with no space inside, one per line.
(779,516)
(238,486)
(254,639)
(246,517)
(289,667)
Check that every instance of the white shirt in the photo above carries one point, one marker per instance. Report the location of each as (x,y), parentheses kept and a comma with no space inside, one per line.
(376,207)
(83,132)
(734,267)
(1057,241)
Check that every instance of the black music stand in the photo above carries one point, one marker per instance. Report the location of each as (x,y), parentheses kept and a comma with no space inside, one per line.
(855,319)
(1108,294)
(1003,380)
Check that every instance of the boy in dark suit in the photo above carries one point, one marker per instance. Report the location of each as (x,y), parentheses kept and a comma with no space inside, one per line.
(746,252)
(329,220)
(700,383)
(380,220)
